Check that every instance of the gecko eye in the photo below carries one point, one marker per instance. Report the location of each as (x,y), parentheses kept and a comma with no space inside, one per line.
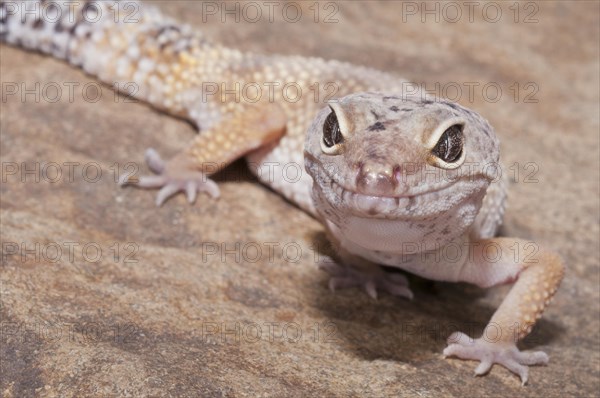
(450,145)
(332,135)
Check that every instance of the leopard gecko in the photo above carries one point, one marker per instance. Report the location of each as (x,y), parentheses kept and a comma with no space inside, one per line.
(395,177)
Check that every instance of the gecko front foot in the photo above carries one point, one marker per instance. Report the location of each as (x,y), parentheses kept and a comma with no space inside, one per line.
(343,277)
(488,353)
(176,175)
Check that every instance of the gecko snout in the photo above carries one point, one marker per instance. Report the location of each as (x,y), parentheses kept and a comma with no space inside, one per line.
(376,180)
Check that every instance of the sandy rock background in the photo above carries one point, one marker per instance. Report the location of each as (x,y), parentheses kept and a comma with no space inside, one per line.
(146,308)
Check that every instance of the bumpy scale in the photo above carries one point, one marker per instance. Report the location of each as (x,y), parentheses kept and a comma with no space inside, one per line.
(396,179)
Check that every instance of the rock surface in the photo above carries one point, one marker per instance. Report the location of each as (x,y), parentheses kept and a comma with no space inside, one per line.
(144,307)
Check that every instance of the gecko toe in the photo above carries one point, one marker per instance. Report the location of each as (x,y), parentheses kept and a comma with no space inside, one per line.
(533,358)
(166,192)
(210,187)
(484,366)
(191,190)
(460,351)
(399,290)
(151,181)
(154,161)
(371,289)
(517,368)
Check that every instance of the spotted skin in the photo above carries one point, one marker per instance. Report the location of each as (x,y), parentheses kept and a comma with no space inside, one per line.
(386,199)
(382,193)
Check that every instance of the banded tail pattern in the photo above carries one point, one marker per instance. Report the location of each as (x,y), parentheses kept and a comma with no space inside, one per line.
(126,42)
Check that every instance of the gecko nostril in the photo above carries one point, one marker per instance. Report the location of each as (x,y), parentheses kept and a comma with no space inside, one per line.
(376,181)
(397,174)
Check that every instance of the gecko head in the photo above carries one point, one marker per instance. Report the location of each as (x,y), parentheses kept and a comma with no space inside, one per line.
(379,160)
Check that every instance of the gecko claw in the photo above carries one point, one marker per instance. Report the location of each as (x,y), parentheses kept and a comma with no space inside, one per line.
(173,176)
(343,277)
(488,353)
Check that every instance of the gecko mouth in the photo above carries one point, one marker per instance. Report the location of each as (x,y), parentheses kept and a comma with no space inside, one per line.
(418,204)
(397,206)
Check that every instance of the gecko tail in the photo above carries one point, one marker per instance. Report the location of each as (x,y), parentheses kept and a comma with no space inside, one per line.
(128,44)
(85,33)
(58,27)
